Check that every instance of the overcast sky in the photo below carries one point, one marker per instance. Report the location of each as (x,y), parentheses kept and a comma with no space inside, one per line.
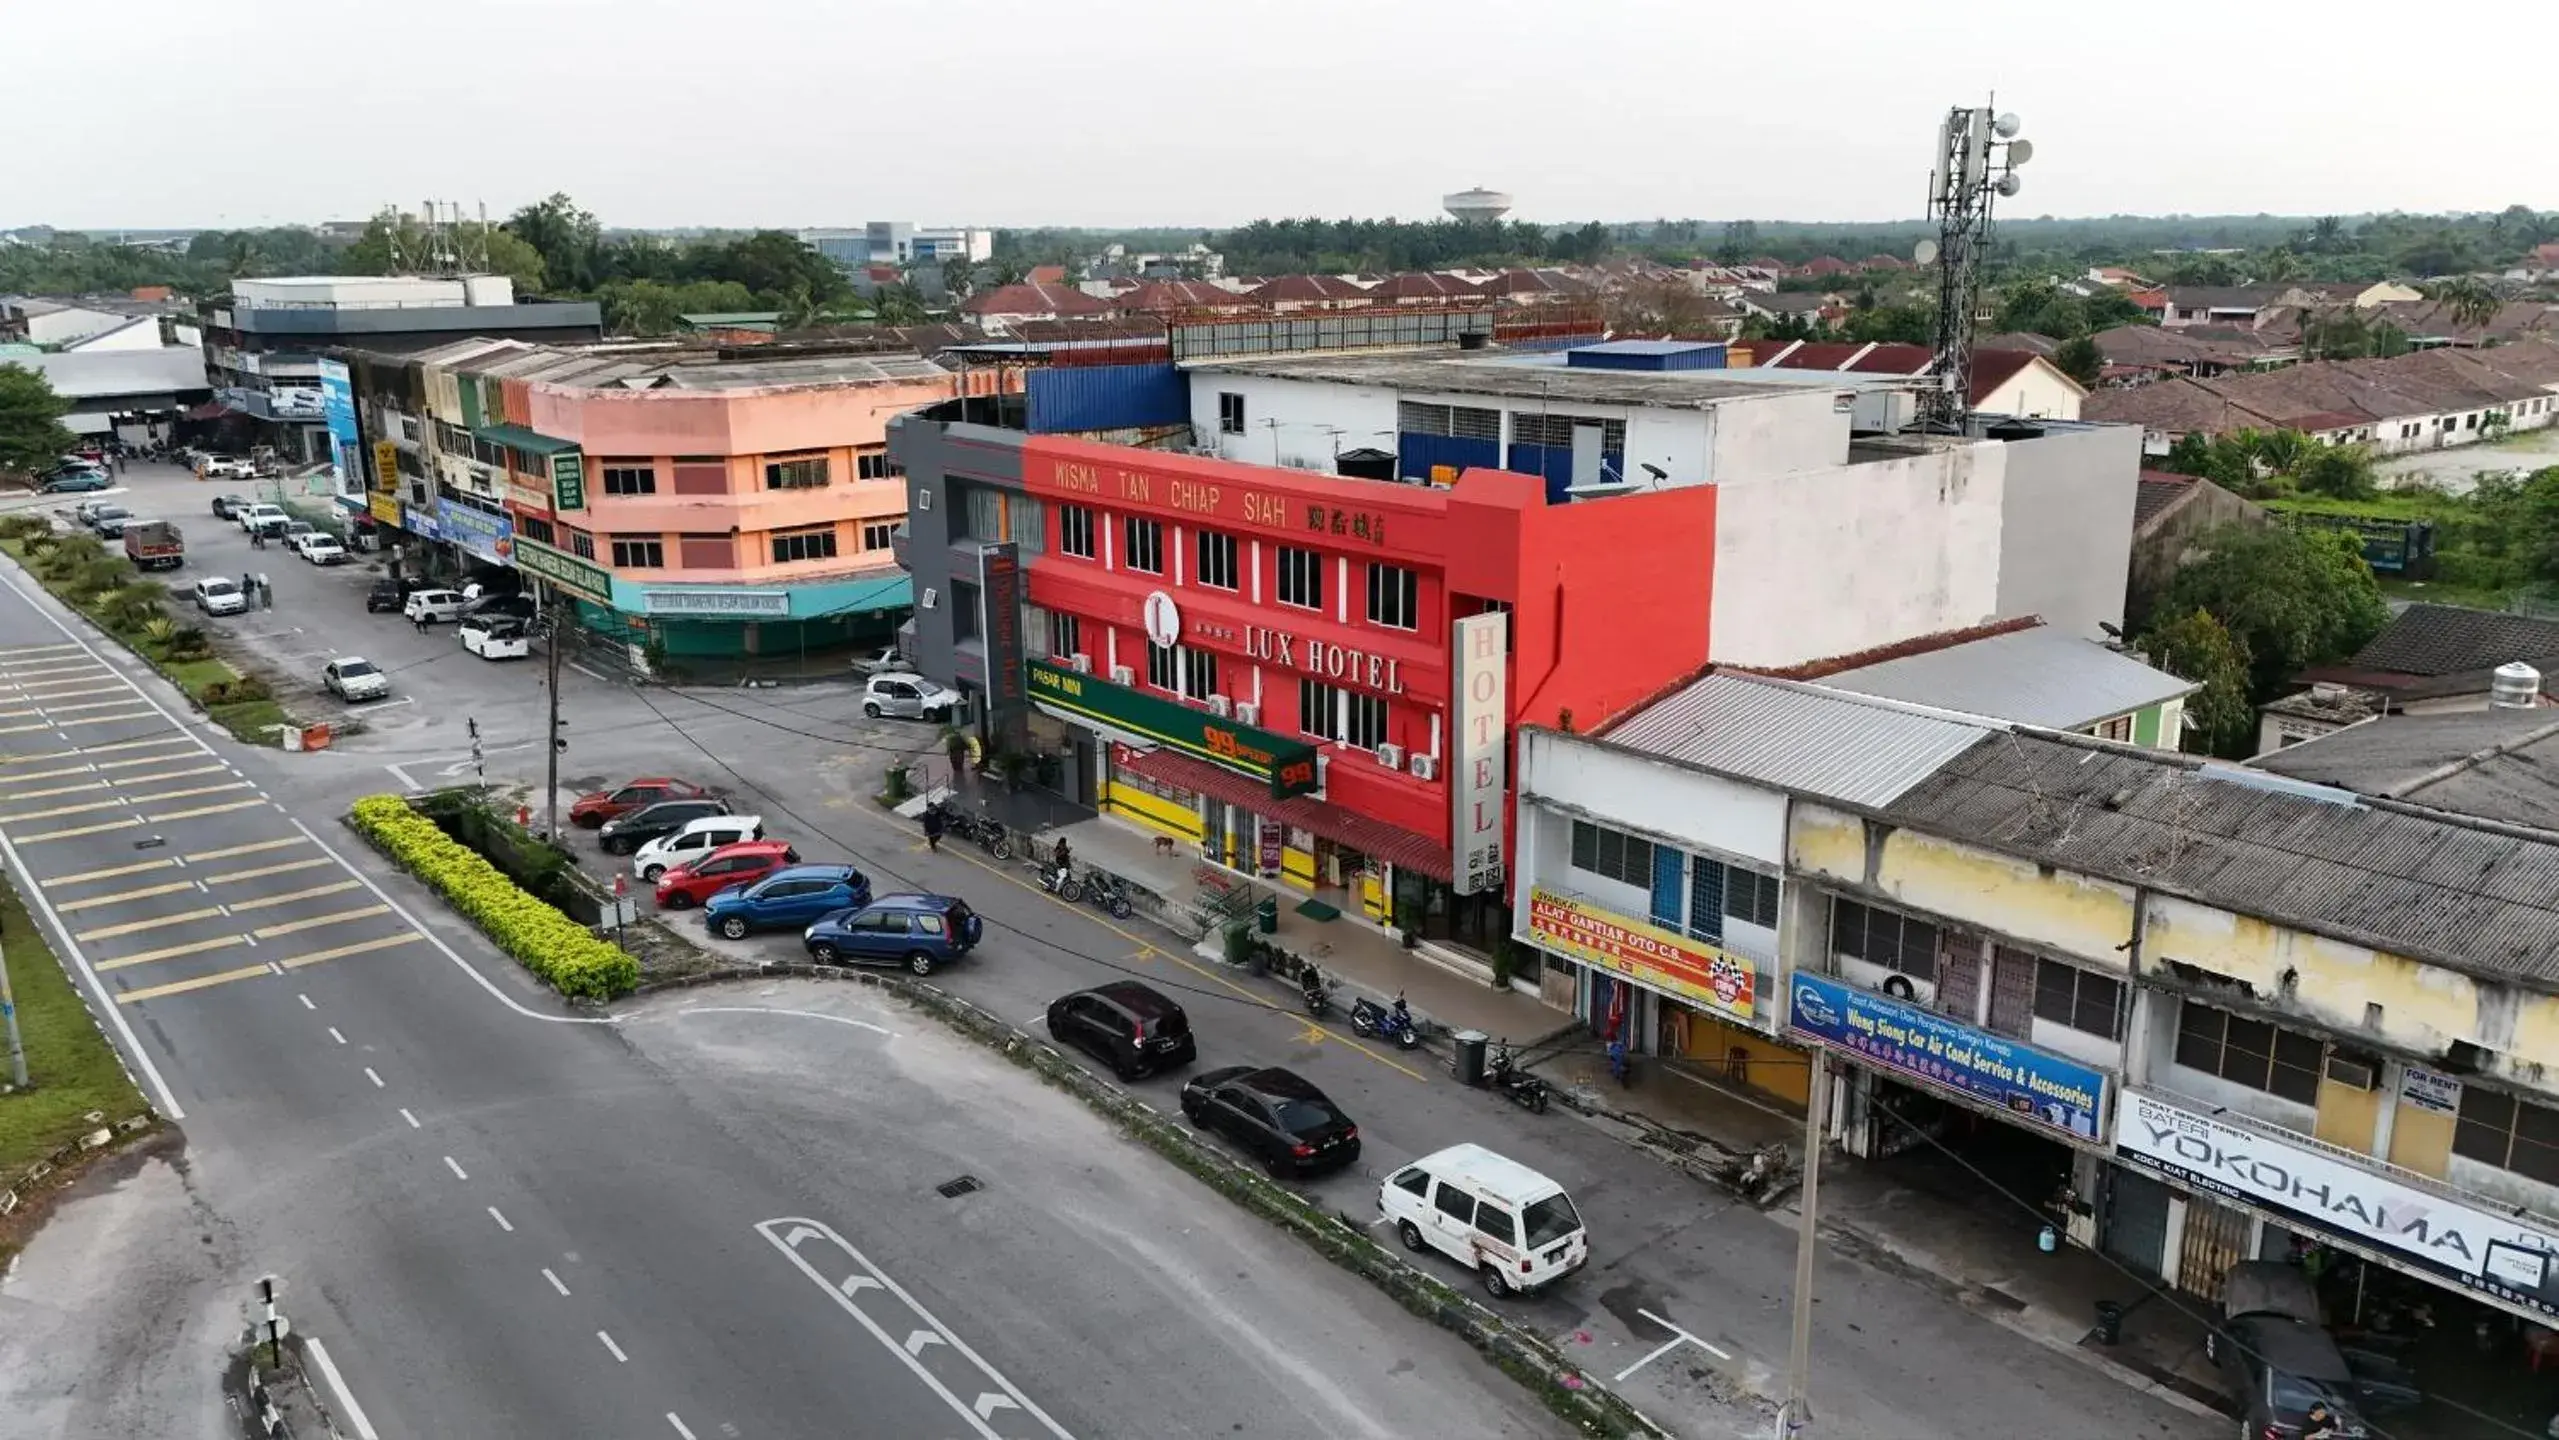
(1213,112)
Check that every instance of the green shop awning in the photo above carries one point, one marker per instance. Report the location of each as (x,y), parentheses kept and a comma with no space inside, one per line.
(516,437)
(892,592)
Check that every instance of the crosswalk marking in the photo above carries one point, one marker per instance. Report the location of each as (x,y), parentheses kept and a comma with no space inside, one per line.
(290,927)
(92,783)
(145,893)
(21,729)
(189,794)
(228,877)
(163,774)
(109,719)
(192,947)
(405,937)
(112,871)
(77,830)
(180,987)
(131,927)
(155,743)
(37,649)
(268,901)
(45,692)
(52,709)
(227,851)
(84,808)
(55,774)
(19,714)
(66,665)
(205,810)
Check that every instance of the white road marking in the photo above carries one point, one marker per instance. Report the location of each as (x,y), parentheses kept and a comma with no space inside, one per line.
(779,1010)
(334,1035)
(679,1425)
(456,1167)
(555,1283)
(305,999)
(376,1079)
(338,1386)
(406,784)
(609,1345)
(1678,1337)
(501,1219)
(591,675)
(412,1119)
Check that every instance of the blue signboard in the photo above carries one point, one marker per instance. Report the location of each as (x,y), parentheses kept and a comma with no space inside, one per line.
(2043,1089)
(483,534)
(337,407)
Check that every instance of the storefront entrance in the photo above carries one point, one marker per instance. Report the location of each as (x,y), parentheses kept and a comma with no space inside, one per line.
(2001,1172)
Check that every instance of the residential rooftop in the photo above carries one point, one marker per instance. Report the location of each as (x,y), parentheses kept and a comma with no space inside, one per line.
(1530,377)
(2038,677)
(2496,764)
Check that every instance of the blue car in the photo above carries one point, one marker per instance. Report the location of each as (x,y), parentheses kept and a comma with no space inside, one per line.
(916,931)
(793,895)
(71,480)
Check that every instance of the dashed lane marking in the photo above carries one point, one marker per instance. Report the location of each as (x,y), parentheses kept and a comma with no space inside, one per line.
(134,927)
(181,987)
(112,871)
(120,896)
(257,848)
(192,947)
(76,831)
(230,876)
(315,922)
(361,947)
(265,901)
(222,809)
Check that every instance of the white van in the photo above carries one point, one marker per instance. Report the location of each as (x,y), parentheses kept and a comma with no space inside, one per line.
(1512,1226)
(696,839)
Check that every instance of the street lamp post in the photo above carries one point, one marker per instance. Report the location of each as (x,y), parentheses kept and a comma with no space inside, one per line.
(1795,1415)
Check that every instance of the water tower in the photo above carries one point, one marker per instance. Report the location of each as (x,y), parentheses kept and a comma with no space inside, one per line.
(1478,204)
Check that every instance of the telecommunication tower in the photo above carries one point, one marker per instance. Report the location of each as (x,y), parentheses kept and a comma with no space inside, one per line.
(1978,153)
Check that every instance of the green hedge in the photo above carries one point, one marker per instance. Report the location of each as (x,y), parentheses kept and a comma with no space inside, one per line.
(555,948)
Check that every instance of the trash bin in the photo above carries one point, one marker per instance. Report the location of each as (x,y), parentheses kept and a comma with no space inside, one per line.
(1469,1060)
(2110,1322)
(1266,915)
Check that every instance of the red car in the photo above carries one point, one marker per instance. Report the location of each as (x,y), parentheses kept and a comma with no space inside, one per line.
(747,861)
(595,808)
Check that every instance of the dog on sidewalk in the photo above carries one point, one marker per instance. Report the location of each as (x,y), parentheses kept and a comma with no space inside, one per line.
(1163,844)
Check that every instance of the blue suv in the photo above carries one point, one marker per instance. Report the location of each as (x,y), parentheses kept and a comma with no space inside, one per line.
(793,895)
(916,931)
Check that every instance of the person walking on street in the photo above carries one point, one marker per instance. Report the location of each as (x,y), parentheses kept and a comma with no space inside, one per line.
(956,747)
(2320,1423)
(420,621)
(933,828)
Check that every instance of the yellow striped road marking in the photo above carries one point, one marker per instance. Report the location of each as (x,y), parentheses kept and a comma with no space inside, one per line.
(146,892)
(228,851)
(227,876)
(68,666)
(35,649)
(91,784)
(163,774)
(21,730)
(56,774)
(316,921)
(144,760)
(205,810)
(159,742)
(264,901)
(180,987)
(405,937)
(76,830)
(52,709)
(130,927)
(111,719)
(47,755)
(189,793)
(192,947)
(51,690)
(136,868)
(18,714)
(61,810)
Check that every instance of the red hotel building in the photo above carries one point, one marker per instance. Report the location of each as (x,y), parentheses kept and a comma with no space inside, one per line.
(1216,626)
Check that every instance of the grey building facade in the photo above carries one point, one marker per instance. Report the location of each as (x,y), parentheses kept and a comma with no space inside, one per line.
(968,521)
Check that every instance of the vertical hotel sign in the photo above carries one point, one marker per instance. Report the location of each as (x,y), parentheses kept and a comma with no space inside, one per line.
(1480,769)
(999,589)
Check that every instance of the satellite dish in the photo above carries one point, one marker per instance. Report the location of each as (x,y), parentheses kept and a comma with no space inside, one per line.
(2009,185)
(2005,125)
(2019,152)
(1924,253)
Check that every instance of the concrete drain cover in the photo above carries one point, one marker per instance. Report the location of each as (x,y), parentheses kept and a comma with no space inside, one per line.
(965,1185)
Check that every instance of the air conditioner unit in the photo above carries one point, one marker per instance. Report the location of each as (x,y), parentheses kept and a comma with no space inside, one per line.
(1248,713)
(1424,767)
(1122,675)
(1080,664)
(1391,756)
(1220,705)
(931,596)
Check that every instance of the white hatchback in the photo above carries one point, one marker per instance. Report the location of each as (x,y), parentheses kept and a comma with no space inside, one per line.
(1511,1225)
(433,605)
(697,839)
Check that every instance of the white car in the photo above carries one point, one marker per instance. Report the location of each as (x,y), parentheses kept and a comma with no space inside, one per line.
(908,697)
(433,606)
(1507,1223)
(229,470)
(879,662)
(352,677)
(320,548)
(497,637)
(697,839)
(220,595)
(262,516)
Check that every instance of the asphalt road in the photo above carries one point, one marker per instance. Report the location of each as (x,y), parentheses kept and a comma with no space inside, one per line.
(504,1219)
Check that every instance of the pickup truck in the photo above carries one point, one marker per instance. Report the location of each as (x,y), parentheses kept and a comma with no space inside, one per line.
(154,545)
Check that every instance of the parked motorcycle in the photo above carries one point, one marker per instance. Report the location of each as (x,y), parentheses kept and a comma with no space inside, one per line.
(1108,892)
(1379,1022)
(985,832)
(1315,990)
(1503,1073)
(1060,881)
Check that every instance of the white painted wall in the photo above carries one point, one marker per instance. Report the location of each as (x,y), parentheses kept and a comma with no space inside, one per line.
(1365,416)
(2037,392)
(1655,798)
(1778,435)
(127,336)
(61,327)
(2066,516)
(1679,441)
(1832,561)
(348,290)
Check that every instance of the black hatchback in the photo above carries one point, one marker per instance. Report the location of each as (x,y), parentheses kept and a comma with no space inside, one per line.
(1133,1028)
(625,833)
(1276,1116)
(391,596)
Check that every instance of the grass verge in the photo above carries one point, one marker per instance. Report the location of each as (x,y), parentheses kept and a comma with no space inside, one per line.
(76,1084)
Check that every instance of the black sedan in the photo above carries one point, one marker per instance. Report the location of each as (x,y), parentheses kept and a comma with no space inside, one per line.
(226,507)
(625,833)
(388,596)
(1273,1115)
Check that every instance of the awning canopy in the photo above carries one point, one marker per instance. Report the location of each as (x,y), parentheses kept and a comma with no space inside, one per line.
(516,437)
(1404,849)
(890,592)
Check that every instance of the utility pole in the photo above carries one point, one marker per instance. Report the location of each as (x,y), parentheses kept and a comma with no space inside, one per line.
(9,1008)
(1796,1414)
(551,662)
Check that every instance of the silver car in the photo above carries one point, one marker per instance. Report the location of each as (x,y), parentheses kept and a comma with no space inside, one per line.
(908,697)
(220,595)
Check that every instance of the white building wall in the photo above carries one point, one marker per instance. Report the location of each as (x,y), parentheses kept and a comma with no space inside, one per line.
(2066,518)
(2037,393)
(1833,561)
(1679,441)
(1778,435)
(1308,413)
(1634,792)
(61,327)
(127,336)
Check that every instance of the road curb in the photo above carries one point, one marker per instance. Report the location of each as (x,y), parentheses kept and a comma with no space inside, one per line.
(1517,1351)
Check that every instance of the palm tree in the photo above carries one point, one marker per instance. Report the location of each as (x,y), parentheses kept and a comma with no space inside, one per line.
(900,305)
(2280,265)
(2327,234)
(2468,300)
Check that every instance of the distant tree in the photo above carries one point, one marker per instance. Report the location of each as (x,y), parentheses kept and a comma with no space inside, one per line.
(2111,307)
(956,273)
(2518,228)
(567,238)
(2081,361)
(2342,472)
(2442,251)
(1893,325)
(2222,459)
(899,305)
(2341,333)
(31,430)
(2042,308)
(2192,645)
(1782,328)
(2292,597)
(774,265)
(1739,242)
(2469,301)
(2203,270)
(1658,308)
(397,244)
(653,307)
(2327,235)
(2279,265)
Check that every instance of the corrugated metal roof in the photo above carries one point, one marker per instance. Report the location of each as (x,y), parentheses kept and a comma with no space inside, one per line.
(79,375)
(2033,677)
(2428,887)
(1798,737)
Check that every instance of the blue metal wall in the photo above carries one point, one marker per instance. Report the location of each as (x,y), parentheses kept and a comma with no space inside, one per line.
(1416,454)
(1075,398)
(1555,462)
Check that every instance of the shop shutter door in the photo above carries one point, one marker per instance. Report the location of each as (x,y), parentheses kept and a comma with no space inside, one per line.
(1959,976)
(2012,993)
(2136,1219)
(2216,1239)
